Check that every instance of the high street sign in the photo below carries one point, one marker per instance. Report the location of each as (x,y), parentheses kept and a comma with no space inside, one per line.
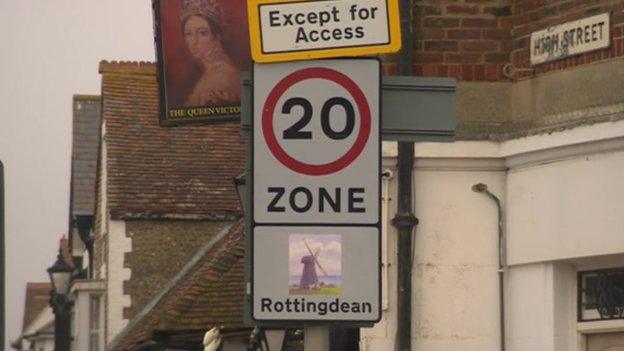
(316,164)
(286,30)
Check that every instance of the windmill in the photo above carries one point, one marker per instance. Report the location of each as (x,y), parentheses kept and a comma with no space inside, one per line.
(309,279)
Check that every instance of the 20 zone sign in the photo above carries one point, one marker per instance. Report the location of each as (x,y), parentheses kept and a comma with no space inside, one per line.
(329,129)
(316,142)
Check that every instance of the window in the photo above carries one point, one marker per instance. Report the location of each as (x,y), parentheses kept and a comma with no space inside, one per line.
(95,328)
(601,294)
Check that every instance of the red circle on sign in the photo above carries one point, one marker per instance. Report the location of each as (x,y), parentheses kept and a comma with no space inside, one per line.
(269,132)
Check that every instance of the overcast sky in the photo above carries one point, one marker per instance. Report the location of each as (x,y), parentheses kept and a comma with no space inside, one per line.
(49,51)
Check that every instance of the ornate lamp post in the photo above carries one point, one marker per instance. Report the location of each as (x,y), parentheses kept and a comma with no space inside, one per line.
(60,275)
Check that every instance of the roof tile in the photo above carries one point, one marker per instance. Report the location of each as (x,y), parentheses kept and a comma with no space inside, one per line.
(164,172)
(85,143)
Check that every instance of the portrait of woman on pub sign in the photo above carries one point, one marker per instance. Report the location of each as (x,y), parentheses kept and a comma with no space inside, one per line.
(202,50)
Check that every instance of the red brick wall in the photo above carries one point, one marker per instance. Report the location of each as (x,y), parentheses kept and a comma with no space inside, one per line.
(533,15)
(471,40)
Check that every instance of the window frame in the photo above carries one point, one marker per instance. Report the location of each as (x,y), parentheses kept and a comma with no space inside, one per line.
(97,332)
(594,315)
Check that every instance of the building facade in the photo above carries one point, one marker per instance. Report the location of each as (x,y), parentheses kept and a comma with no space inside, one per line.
(162,194)
(519,244)
(546,140)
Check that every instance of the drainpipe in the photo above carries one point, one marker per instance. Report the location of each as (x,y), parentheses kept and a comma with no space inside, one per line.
(482,188)
(405,221)
(386,176)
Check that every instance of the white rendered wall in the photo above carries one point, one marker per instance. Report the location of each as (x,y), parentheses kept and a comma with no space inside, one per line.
(455,285)
(566,209)
(118,245)
(455,279)
(561,195)
(541,310)
(81,320)
(82,291)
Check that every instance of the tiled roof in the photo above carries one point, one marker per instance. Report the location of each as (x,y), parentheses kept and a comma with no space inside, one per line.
(85,142)
(37,298)
(207,292)
(164,172)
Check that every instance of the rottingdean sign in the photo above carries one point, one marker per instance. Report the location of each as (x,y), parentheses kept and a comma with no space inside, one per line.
(571,38)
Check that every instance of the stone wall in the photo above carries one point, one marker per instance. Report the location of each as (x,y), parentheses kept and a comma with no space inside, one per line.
(159,250)
(469,40)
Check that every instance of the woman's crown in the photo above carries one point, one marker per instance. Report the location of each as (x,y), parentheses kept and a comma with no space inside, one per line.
(210,9)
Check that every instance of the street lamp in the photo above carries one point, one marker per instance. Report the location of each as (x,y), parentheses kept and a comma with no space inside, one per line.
(60,275)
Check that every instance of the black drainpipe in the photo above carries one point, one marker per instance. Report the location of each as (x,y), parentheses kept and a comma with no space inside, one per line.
(405,221)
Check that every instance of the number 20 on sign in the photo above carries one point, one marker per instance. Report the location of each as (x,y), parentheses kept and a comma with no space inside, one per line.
(316,142)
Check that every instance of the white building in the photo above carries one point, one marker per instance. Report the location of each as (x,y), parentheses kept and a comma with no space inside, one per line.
(557,168)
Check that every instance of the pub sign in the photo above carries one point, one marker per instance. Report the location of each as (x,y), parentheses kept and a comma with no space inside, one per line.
(202,47)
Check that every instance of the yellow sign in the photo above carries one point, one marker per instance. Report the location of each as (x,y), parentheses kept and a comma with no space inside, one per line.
(289,30)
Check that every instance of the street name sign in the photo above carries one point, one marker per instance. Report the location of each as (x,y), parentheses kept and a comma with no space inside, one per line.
(571,38)
(286,30)
(316,161)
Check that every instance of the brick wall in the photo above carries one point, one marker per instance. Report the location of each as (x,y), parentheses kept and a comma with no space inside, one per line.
(465,39)
(159,250)
(471,40)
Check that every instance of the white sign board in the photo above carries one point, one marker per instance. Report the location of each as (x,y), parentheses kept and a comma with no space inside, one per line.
(315,185)
(301,29)
(571,38)
(316,273)
(323,24)
(316,142)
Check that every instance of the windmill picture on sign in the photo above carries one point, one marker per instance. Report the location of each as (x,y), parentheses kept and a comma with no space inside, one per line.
(315,265)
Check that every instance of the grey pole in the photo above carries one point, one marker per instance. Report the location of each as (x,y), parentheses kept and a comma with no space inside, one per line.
(316,338)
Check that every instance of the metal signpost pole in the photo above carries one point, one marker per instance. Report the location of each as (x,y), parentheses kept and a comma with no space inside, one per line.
(316,338)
